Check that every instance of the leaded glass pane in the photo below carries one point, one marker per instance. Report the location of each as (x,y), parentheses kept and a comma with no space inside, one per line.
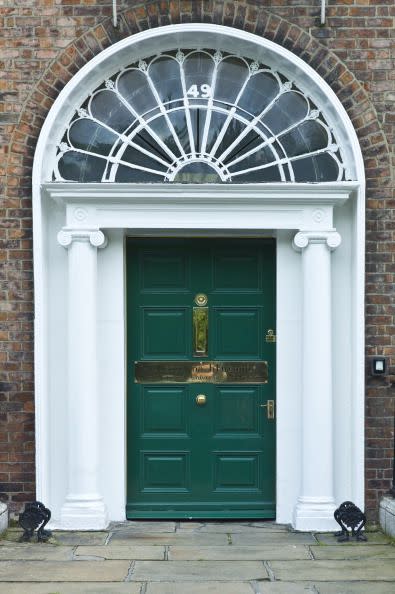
(232,73)
(107,107)
(198,116)
(91,136)
(319,168)
(288,110)
(164,73)
(261,90)
(310,136)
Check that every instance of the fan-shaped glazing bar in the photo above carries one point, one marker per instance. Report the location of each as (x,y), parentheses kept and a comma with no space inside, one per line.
(200,105)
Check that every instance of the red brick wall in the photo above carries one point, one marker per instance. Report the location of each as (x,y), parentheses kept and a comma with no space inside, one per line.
(44,42)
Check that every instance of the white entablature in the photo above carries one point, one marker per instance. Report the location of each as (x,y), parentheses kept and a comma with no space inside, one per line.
(180,206)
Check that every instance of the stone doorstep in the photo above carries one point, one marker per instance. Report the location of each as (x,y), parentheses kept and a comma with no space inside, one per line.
(238,553)
(387,515)
(161,538)
(3,517)
(117,552)
(232,528)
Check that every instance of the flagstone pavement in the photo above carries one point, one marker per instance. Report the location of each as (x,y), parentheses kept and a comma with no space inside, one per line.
(196,558)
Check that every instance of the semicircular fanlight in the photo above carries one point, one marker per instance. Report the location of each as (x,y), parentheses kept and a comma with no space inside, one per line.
(198,116)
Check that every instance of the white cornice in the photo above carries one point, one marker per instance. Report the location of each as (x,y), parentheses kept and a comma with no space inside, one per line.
(328,194)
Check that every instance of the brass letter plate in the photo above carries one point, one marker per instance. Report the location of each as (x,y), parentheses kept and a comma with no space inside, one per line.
(200,331)
(201,372)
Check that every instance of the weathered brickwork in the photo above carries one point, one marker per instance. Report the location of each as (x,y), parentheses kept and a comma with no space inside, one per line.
(44,42)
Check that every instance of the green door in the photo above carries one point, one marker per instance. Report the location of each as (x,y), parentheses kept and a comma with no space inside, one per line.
(201,378)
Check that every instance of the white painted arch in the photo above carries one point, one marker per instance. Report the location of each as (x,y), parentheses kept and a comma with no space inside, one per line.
(53,208)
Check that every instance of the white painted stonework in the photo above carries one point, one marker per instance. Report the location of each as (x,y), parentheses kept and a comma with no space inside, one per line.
(3,517)
(79,232)
(387,515)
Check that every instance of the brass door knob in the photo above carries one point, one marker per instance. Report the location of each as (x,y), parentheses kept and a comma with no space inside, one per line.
(201,399)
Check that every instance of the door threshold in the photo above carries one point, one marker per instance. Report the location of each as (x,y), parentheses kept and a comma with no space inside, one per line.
(225,515)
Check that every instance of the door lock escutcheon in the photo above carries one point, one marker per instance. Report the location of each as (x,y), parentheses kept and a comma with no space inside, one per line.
(269,408)
(201,299)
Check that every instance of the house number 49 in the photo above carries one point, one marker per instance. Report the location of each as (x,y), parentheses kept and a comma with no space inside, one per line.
(204,91)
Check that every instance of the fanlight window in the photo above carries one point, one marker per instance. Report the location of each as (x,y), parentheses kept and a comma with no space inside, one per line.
(198,116)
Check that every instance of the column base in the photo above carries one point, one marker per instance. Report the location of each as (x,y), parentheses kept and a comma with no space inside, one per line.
(84,513)
(315,513)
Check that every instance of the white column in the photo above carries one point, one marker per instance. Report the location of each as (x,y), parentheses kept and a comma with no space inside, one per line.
(315,505)
(83,508)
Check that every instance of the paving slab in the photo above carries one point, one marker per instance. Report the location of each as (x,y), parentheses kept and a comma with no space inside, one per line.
(199,571)
(373,539)
(35,551)
(63,571)
(231,527)
(355,570)
(272,538)
(270,525)
(58,537)
(143,526)
(194,588)
(122,552)
(75,588)
(285,588)
(356,588)
(162,538)
(239,553)
(354,552)
(79,538)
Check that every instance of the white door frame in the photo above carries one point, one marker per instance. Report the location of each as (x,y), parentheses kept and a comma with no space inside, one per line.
(93,212)
(85,214)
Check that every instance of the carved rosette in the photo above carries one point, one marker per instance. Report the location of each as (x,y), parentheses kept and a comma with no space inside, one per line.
(95,237)
(302,239)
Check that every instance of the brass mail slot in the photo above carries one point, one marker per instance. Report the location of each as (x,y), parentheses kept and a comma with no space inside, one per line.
(201,372)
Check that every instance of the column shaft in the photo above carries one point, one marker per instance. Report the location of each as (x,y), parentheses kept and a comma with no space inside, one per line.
(83,507)
(315,506)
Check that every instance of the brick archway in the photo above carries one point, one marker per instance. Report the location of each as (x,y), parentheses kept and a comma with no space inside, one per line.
(245,16)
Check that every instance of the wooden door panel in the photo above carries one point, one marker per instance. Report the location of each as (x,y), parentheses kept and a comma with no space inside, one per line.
(248,268)
(164,272)
(164,411)
(237,332)
(165,472)
(165,332)
(236,412)
(237,472)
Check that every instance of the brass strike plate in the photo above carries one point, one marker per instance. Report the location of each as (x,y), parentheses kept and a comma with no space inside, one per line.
(270,336)
(269,408)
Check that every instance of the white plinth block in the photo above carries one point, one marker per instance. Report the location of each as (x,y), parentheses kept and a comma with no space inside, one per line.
(84,507)
(316,504)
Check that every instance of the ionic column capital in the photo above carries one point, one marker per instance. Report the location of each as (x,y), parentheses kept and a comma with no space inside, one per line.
(332,239)
(95,237)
